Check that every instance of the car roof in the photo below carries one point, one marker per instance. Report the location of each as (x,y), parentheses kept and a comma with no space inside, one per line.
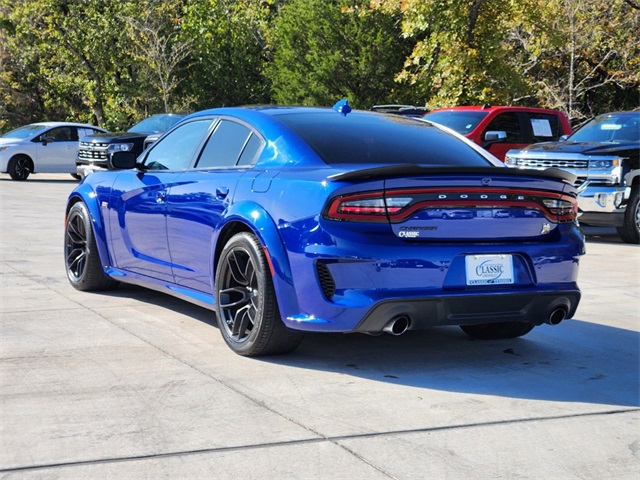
(489,108)
(626,114)
(65,124)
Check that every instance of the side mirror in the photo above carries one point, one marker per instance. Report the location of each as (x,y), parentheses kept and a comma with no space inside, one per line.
(122,160)
(46,140)
(495,136)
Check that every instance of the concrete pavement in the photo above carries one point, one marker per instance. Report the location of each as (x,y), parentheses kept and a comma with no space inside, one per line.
(137,384)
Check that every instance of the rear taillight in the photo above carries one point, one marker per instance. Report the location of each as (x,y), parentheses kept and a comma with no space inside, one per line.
(368,207)
(565,208)
(399,205)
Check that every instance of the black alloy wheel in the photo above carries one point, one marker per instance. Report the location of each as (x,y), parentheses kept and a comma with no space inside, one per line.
(246,304)
(19,168)
(82,262)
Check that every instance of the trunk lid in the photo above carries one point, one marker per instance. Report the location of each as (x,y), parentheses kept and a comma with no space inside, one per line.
(463,204)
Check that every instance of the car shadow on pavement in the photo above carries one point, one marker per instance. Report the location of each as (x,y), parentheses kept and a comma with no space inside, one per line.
(600,234)
(576,361)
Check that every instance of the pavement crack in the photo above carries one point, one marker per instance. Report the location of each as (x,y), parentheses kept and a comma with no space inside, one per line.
(336,440)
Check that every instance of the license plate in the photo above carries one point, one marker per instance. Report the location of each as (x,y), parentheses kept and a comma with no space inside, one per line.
(489,269)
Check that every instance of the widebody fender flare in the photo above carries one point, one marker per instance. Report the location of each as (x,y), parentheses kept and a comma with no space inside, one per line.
(263,226)
(86,194)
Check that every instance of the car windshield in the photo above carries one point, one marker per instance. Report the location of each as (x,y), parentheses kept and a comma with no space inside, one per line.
(156,124)
(460,121)
(369,138)
(23,132)
(609,129)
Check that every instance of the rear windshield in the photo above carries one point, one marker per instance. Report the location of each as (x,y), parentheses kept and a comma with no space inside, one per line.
(370,138)
(461,121)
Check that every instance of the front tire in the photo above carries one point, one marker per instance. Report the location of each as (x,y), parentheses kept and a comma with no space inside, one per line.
(19,167)
(82,262)
(497,331)
(630,230)
(246,304)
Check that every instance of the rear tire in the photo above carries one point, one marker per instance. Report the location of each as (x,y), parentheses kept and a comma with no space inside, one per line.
(246,304)
(82,262)
(630,230)
(20,167)
(497,331)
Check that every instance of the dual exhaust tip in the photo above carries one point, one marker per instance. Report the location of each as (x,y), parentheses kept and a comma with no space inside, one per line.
(397,325)
(401,323)
(557,315)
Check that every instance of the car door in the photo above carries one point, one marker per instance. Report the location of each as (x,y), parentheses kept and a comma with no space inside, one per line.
(138,205)
(198,201)
(56,150)
(510,123)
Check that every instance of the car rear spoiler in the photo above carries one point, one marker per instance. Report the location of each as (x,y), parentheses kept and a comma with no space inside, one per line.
(410,169)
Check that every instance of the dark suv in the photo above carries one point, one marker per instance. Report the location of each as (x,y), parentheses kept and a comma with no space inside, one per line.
(499,129)
(94,150)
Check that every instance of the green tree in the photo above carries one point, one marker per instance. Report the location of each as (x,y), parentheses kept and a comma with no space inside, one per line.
(458,56)
(160,49)
(323,50)
(228,51)
(581,56)
(73,60)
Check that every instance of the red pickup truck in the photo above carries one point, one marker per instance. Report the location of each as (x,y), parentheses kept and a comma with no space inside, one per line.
(499,129)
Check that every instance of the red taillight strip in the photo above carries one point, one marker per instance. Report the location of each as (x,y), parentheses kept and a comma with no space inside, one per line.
(396,215)
(375,216)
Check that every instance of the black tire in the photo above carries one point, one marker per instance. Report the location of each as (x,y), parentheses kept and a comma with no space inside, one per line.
(497,331)
(20,167)
(82,262)
(630,230)
(76,176)
(246,304)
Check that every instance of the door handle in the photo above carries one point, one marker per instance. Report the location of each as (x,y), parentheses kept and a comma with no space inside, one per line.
(222,192)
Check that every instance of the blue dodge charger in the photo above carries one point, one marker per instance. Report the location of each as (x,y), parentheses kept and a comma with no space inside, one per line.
(286,220)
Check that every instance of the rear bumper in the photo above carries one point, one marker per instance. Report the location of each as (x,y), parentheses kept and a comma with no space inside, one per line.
(535,307)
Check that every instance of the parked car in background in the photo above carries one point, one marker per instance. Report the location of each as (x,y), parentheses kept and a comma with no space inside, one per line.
(604,155)
(46,147)
(94,150)
(290,220)
(500,129)
(406,110)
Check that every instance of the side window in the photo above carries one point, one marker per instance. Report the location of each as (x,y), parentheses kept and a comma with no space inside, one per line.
(61,134)
(251,150)
(85,132)
(175,150)
(510,123)
(224,146)
(544,127)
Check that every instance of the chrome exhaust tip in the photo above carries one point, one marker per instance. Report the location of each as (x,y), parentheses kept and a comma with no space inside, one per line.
(558,315)
(397,325)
